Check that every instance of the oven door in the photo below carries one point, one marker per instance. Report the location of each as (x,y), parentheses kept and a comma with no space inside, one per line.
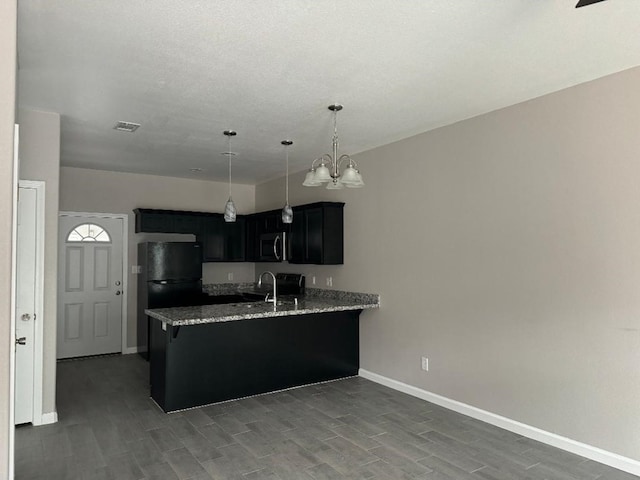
(271,247)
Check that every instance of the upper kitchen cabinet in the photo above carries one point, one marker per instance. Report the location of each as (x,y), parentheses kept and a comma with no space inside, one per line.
(251,237)
(167,221)
(317,234)
(269,222)
(222,241)
(314,237)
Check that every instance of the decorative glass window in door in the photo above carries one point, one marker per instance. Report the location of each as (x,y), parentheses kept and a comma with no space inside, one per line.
(88,232)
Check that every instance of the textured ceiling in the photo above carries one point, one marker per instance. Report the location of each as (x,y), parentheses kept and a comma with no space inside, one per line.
(187,70)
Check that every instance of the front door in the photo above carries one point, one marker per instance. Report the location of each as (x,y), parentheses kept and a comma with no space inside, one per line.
(25,304)
(89,285)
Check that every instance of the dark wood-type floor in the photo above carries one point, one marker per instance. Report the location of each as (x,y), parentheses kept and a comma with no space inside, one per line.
(353,429)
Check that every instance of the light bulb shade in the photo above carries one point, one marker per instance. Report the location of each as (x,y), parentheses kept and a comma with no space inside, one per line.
(309,179)
(287,214)
(335,185)
(358,183)
(322,174)
(349,176)
(230,211)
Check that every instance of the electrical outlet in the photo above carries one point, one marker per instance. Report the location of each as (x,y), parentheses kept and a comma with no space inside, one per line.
(425,364)
(313,280)
(230,276)
(329,281)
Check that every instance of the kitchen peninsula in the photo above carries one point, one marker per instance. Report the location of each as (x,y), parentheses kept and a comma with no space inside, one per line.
(211,353)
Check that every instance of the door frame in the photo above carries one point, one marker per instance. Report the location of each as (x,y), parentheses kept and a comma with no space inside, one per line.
(12,303)
(39,417)
(125,261)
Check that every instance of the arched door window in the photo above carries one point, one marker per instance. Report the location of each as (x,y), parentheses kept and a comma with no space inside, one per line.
(88,232)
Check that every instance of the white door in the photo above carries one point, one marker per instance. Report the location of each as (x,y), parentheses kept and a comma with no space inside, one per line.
(25,304)
(89,286)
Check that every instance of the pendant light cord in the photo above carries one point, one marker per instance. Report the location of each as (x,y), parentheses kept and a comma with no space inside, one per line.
(229,155)
(335,126)
(286,149)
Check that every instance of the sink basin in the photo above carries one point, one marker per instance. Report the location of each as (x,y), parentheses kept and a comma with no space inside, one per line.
(261,303)
(245,305)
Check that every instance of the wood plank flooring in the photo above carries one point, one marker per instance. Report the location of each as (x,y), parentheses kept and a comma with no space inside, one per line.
(348,429)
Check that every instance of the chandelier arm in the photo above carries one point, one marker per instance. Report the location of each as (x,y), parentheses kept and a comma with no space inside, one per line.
(346,157)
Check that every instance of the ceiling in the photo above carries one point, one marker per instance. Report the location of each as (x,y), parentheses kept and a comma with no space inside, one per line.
(188,69)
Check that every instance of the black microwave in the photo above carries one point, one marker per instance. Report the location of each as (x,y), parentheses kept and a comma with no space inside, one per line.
(272,247)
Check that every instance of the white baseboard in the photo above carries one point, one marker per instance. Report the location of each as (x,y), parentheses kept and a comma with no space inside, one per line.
(47,418)
(588,451)
(130,350)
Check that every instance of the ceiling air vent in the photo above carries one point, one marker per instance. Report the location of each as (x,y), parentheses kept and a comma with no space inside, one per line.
(126,127)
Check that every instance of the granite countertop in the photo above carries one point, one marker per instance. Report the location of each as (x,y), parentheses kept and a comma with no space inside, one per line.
(314,301)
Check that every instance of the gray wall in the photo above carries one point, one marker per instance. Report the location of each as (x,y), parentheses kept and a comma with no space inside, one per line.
(84,190)
(8,17)
(40,160)
(506,249)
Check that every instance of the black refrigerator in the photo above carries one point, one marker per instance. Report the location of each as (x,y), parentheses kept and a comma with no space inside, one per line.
(170,276)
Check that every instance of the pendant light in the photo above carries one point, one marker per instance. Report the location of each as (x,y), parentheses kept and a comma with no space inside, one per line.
(287,211)
(230,208)
(328,170)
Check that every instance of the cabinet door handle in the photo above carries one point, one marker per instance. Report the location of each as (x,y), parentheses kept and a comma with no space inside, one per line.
(275,247)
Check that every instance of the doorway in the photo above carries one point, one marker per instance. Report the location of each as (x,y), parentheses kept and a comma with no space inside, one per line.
(91,284)
(29,303)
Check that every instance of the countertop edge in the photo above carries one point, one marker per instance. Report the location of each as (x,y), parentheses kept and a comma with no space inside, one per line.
(262,314)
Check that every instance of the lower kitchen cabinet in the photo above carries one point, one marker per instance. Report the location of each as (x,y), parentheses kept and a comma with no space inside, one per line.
(201,364)
(317,234)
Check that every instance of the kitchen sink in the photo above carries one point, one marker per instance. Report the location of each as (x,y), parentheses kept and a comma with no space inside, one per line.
(260,303)
(246,305)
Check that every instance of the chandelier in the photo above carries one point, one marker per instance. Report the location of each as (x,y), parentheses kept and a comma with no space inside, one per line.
(326,169)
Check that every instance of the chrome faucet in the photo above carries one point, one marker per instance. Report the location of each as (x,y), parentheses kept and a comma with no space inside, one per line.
(273,277)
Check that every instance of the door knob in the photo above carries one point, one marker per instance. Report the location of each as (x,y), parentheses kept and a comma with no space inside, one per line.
(117,283)
(118,292)
(21,341)
(25,317)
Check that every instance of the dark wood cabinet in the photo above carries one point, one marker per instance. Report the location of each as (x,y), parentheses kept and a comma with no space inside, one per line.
(195,365)
(222,241)
(185,222)
(272,221)
(151,220)
(251,237)
(235,240)
(314,237)
(212,238)
(317,234)
(269,222)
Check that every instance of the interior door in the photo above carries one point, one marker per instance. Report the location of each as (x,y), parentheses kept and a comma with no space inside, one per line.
(89,286)
(25,304)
